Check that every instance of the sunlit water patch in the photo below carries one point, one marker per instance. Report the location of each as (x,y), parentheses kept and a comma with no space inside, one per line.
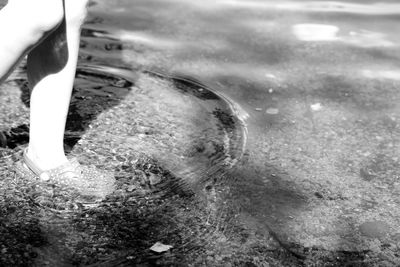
(381,74)
(326,33)
(315,32)
(318,6)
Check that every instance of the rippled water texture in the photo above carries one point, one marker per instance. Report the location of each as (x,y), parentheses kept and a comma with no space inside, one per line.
(241,132)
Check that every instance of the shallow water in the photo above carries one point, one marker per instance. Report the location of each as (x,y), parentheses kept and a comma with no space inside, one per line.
(279,118)
(314,83)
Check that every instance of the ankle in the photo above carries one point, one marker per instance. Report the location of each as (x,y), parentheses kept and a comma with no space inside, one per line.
(46,160)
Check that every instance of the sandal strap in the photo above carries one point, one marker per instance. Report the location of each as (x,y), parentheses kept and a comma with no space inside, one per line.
(32,167)
(69,167)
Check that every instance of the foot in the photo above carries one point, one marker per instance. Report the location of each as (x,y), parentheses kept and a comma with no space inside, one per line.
(87,181)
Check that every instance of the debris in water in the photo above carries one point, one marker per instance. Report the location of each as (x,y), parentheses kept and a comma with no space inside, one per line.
(258,109)
(270,90)
(272,111)
(160,247)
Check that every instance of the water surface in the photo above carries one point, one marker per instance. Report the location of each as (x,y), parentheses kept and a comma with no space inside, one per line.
(276,123)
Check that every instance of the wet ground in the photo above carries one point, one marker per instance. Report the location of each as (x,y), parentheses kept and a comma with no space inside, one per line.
(241,133)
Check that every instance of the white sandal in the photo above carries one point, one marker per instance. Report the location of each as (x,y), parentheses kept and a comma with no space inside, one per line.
(87,181)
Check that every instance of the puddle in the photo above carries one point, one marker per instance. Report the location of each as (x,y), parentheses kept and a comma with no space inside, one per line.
(190,129)
(241,133)
(165,137)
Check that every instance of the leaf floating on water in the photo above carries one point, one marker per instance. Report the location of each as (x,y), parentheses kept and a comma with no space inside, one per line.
(272,111)
(160,247)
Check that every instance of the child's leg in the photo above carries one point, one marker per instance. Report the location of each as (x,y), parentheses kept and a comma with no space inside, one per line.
(51,90)
(22,25)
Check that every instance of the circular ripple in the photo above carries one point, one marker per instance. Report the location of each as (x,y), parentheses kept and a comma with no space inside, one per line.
(186,127)
(167,139)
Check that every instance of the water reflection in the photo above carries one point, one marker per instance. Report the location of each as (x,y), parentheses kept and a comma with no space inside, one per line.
(381,74)
(319,32)
(315,32)
(315,6)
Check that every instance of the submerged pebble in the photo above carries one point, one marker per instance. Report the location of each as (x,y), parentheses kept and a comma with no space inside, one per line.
(154,179)
(272,111)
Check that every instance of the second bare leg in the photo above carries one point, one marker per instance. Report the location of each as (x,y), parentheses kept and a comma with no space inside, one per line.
(51,91)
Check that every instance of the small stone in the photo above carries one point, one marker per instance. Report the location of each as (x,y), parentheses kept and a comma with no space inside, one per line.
(374,229)
(367,174)
(272,111)
(120,158)
(366,154)
(154,179)
(44,177)
(131,188)
(218,258)
(318,195)
(396,237)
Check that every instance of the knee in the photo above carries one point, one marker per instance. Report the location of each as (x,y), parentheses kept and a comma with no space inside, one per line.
(41,16)
(75,12)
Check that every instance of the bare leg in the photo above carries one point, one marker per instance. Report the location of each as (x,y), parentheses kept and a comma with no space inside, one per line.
(51,72)
(22,25)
